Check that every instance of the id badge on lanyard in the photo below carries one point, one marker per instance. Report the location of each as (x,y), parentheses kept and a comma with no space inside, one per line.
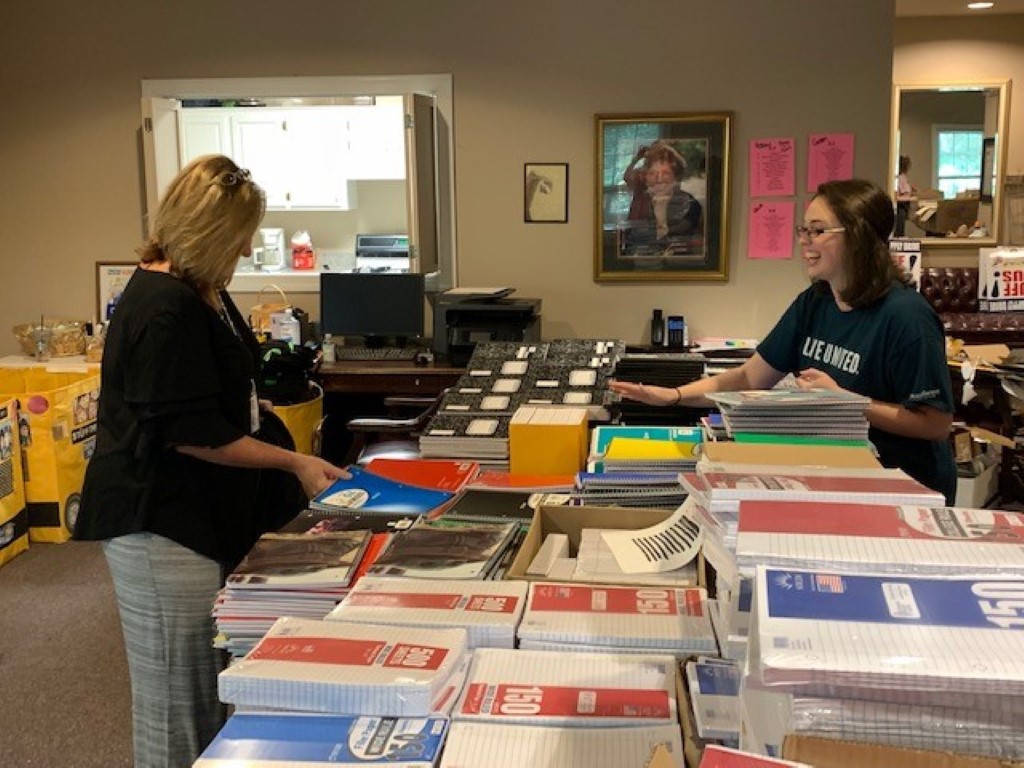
(254,409)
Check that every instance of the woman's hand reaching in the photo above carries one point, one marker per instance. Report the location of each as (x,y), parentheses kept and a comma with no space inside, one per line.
(645,393)
(316,475)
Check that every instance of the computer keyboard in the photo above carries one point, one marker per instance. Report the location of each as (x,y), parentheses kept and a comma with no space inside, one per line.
(375,353)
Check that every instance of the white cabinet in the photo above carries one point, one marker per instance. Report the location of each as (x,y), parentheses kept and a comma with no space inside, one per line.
(377,140)
(299,156)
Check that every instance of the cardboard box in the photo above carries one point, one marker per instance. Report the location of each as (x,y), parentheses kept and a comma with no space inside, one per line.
(571,521)
(791,455)
(550,440)
(973,492)
(831,753)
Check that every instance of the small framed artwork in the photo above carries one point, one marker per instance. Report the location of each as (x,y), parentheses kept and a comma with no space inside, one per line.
(546,193)
(111,278)
(662,197)
(988,168)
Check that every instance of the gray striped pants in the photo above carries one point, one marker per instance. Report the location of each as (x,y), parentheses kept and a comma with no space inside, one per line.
(165,593)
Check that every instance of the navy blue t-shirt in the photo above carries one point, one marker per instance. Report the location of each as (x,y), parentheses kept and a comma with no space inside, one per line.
(892,350)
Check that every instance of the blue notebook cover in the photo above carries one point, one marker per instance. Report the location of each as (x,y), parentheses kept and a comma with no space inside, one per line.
(367,492)
(335,740)
(903,599)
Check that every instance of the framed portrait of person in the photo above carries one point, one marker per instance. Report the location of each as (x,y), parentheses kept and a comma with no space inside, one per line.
(546,193)
(662,197)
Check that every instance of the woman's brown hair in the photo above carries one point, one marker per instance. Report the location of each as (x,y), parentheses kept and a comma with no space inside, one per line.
(865,212)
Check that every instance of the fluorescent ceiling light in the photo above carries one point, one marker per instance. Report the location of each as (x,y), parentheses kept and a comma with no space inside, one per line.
(979,6)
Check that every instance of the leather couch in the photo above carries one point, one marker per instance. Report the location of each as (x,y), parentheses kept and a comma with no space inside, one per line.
(953,293)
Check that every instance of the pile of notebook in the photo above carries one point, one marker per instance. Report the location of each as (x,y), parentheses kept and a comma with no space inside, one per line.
(346,668)
(488,610)
(584,618)
(539,688)
(441,549)
(647,449)
(714,687)
(902,659)
(809,413)
(662,368)
(473,417)
(286,574)
(656,490)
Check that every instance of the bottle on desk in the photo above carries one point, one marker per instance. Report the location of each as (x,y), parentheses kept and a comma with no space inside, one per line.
(327,349)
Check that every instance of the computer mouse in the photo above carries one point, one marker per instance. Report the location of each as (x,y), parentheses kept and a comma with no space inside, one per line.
(423,357)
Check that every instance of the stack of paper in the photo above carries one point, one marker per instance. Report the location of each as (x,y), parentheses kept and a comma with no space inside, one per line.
(470,745)
(879,538)
(596,563)
(714,687)
(591,690)
(899,638)
(651,619)
(808,412)
(443,549)
(250,739)
(356,669)
(286,574)
(489,611)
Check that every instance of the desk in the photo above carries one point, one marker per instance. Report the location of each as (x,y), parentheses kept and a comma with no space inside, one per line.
(357,388)
(387,377)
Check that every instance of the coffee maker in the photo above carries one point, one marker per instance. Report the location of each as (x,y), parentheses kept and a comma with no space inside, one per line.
(271,256)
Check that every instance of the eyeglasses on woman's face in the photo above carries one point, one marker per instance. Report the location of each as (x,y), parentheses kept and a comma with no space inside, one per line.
(813,232)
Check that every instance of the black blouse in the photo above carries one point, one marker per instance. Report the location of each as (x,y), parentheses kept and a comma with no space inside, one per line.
(173,373)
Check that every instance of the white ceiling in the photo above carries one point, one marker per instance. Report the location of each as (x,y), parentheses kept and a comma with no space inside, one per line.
(953,8)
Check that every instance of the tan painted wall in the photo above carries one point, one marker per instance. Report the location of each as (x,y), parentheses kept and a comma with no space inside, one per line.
(528,77)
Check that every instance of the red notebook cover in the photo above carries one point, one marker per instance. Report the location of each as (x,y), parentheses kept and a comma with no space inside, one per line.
(494,480)
(435,474)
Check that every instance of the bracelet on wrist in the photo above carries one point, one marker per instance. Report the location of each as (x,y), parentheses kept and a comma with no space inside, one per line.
(679,397)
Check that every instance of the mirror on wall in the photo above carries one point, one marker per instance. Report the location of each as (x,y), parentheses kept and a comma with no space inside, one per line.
(948,143)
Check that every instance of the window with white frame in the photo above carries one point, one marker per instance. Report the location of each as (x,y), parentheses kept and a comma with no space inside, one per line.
(957,159)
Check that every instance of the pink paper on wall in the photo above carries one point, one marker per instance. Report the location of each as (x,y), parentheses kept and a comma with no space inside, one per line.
(829,157)
(772,167)
(770,230)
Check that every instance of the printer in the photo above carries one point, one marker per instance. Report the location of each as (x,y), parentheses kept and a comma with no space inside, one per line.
(462,318)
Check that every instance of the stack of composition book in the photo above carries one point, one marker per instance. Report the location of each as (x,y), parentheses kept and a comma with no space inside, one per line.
(286,574)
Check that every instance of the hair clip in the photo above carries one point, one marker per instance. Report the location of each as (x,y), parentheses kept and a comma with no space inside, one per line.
(234,178)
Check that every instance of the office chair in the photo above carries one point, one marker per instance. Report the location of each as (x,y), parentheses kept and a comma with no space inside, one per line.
(391,438)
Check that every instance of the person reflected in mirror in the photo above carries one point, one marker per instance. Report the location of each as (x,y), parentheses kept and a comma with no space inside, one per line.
(663,217)
(906,195)
(859,327)
(177,486)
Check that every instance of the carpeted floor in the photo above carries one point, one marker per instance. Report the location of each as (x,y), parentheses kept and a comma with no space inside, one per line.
(64,695)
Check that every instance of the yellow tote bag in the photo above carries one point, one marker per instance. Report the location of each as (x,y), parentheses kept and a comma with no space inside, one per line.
(304,420)
(57,429)
(13,514)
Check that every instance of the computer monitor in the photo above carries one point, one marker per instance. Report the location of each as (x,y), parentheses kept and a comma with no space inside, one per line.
(372,305)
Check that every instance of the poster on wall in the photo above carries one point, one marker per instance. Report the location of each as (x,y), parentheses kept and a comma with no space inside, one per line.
(829,157)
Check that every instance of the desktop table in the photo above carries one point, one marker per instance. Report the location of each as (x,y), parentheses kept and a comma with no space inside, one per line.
(357,388)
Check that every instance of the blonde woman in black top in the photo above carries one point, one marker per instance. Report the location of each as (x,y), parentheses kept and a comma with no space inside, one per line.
(173,487)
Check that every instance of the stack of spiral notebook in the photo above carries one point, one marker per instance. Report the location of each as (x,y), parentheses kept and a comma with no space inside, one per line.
(578,617)
(580,690)
(489,611)
(825,413)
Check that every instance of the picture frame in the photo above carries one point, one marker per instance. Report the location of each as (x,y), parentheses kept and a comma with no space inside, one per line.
(662,197)
(111,278)
(988,168)
(545,193)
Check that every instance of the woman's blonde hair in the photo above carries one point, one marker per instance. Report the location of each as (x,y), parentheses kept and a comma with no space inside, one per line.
(207,216)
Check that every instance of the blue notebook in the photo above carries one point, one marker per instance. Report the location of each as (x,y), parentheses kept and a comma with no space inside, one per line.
(337,740)
(368,492)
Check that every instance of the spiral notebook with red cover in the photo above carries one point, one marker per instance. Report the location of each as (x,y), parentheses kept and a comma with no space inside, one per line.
(436,474)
